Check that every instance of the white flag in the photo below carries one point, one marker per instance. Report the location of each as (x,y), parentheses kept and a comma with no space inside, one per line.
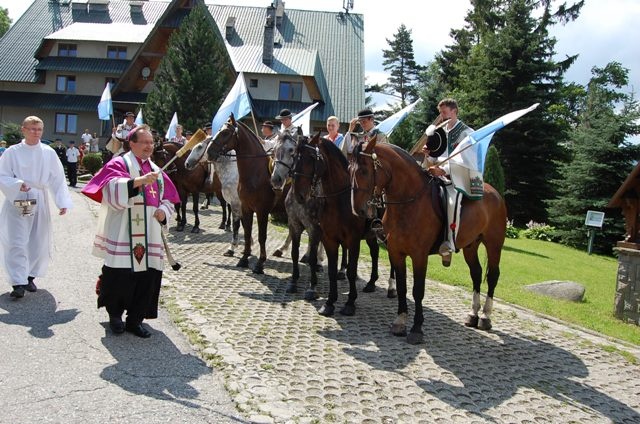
(171,132)
(139,120)
(303,119)
(105,107)
(388,125)
(236,102)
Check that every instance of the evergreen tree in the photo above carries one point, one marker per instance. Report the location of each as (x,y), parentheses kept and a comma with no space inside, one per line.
(5,21)
(503,61)
(194,75)
(403,69)
(602,159)
(493,171)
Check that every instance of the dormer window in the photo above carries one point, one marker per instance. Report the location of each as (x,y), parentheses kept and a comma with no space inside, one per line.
(68,50)
(290,91)
(116,52)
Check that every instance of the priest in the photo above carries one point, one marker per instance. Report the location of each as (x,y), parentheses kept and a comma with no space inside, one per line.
(137,200)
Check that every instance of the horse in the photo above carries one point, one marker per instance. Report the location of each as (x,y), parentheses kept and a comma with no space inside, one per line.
(384,174)
(254,186)
(186,182)
(226,169)
(319,160)
(300,215)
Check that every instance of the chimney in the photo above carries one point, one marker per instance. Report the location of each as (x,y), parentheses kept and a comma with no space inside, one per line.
(98,6)
(136,6)
(230,28)
(279,5)
(269,33)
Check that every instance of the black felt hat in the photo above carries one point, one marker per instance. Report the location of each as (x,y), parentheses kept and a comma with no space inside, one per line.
(284,113)
(437,143)
(129,114)
(268,124)
(365,113)
(207,125)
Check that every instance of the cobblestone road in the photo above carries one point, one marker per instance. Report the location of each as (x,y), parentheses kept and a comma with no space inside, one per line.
(283,362)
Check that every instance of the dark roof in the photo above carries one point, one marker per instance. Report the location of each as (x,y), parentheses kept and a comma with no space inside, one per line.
(630,186)
(83,64)
(20,44)
(61,102)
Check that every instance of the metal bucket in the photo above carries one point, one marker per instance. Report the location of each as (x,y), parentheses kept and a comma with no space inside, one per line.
(26,207)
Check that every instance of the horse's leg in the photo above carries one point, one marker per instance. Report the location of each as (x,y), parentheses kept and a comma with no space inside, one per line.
(196,225)
(331,248)
(419,264)
(227,225)
(342,273)
(314,242)
(352,274)
(370,287)
(294,233)
(223,203)
(263,220)
(494,251)
(234,236)
(398,262)
(284,246)
(247,224)
(391,285)
(475,270)
(179,225)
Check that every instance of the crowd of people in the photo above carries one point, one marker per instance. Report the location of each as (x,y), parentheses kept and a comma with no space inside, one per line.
(137,199)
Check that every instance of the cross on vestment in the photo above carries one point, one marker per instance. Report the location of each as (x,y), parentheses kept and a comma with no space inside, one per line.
(137,219)
(152,192)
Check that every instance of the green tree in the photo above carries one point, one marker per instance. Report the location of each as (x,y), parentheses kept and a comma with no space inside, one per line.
(493,171)
(399,60)
(602,157)
(501,61)
(194,75)
(5,21)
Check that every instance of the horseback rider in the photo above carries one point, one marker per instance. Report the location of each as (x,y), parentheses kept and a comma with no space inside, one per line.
(286,117)
(210,170)
(270,136)
(369,130)
(454,131)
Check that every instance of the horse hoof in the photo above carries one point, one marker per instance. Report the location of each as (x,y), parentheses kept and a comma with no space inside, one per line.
(471,321)
(348,310)
(310,295)
(227,228)
(292,288)
(277,253)
(369,288)
(319,268)
(415,338)
(484,324)
(326,310)
(398,330)
(392,294)
(258,269)
(203,207)
(195,230)
(341,275)
(228,253)
(243,263)
(221,227)
(304,259)
(180,228)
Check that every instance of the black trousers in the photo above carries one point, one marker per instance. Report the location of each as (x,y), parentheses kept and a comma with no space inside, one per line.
(135,292)
(72,173)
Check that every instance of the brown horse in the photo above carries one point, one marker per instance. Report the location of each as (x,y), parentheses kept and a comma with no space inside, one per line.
(319,160)
(186,182)
(254,185)
(384,174)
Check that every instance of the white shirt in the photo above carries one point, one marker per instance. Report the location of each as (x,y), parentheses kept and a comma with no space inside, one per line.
(72,154)
(86,137)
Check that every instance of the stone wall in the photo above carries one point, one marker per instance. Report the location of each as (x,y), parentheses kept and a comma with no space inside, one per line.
(627,298)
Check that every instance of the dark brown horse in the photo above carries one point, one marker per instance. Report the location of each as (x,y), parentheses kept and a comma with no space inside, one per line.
(186,182)
(254,185)
(384,174)
(319,160)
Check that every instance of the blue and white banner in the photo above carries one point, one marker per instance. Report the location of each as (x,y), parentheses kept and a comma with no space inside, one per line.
(236,102)
(173,125)
(105,107)
(303,119)
(139,120)
(388,125)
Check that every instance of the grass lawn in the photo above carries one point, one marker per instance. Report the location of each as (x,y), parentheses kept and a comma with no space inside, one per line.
(527,261)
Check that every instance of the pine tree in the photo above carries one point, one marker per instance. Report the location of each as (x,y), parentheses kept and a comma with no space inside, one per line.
(399,60)
(193,77)
(493,171)
(5,21)
(503,61)
(602,159)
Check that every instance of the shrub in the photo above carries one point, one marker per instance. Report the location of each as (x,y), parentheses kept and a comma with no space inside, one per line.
(92,162)
(512,232)
(537,231)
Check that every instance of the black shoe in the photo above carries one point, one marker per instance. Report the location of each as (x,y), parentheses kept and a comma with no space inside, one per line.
(138,330)
(31,286)
(116,324)
(18,292)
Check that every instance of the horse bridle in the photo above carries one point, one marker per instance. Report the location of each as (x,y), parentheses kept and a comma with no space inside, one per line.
(377,197)
(159,148)
(235,134)
(315,178)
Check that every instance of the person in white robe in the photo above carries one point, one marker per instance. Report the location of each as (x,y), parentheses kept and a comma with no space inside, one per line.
(29,170)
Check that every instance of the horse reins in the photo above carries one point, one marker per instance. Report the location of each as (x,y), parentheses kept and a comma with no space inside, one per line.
(314,176)
(377,196)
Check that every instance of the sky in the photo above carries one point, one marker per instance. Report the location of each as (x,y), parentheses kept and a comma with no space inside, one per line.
(606,30)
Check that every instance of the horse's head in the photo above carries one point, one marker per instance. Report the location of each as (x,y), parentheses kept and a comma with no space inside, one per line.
(309,166)
(226,139)
(284,158)
(197,154)
(160,155)
(367,182)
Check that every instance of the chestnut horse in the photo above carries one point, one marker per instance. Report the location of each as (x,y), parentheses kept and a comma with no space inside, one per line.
(384,174)
(319,160)
(186,182)
(254,185)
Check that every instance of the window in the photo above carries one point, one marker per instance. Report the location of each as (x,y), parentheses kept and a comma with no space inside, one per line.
(66,123)
(253,83)
(67,50)
(290,91)
(116,52)
(66,83)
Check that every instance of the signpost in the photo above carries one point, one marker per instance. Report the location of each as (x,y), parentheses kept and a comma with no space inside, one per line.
(593,220)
